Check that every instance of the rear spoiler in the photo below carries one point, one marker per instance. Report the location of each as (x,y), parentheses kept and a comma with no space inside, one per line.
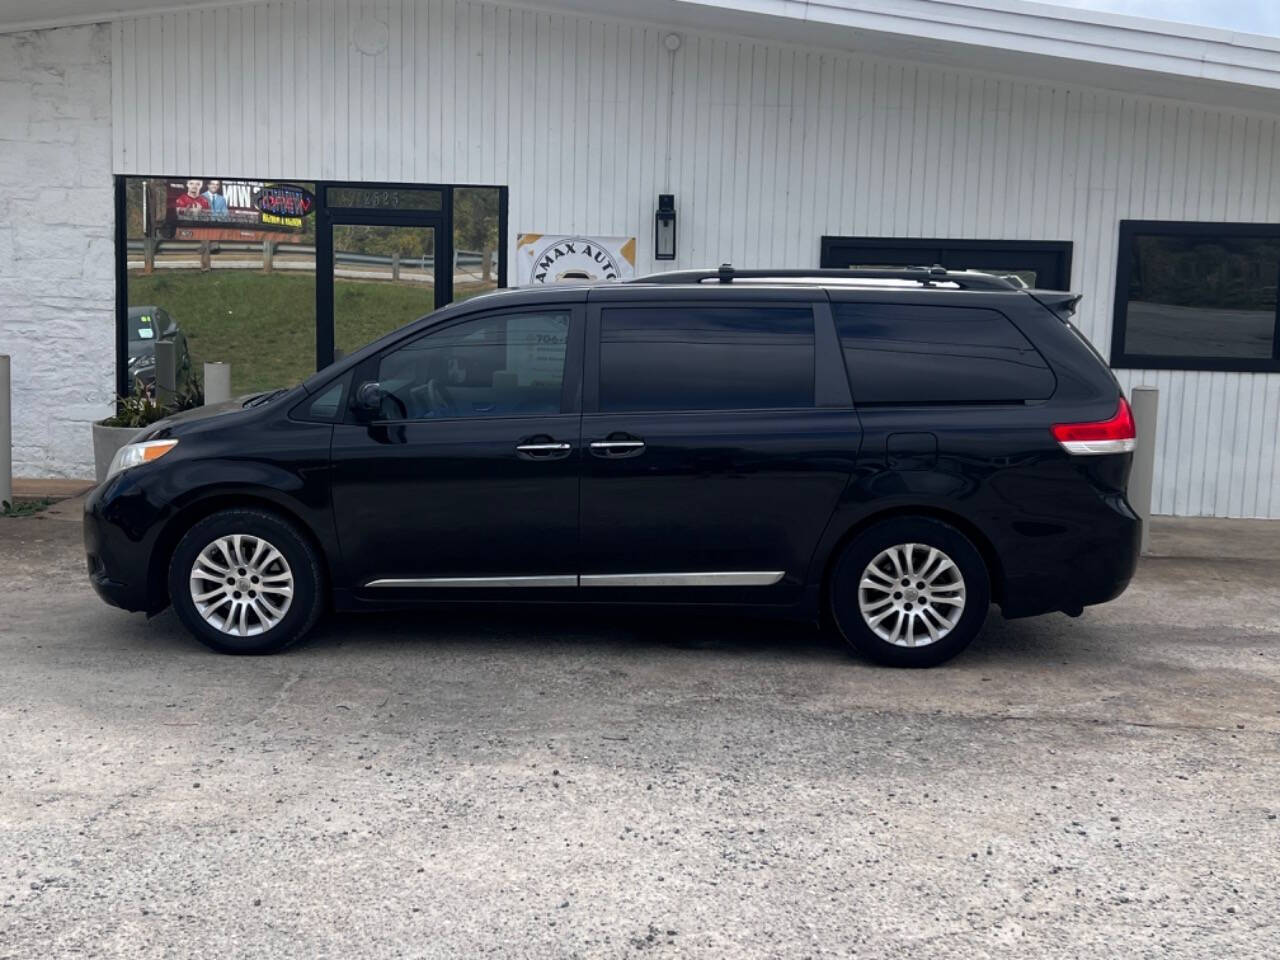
(1058,302)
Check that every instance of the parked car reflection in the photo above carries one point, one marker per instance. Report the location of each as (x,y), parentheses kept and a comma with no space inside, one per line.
(147,325)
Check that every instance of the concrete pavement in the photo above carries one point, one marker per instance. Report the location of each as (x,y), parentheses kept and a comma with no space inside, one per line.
(538,783)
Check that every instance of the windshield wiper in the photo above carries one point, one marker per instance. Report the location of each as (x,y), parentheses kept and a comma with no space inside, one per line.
(267,397)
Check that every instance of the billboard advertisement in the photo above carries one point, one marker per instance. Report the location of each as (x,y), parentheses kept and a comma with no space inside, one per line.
(200,208)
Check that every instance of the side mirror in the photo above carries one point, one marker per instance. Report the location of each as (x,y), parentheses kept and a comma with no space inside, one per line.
(369,397)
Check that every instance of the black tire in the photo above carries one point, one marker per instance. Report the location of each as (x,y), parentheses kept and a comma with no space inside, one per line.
(858,553)
(306,603)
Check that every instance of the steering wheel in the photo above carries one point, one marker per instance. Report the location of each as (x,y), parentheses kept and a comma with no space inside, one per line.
(440,399)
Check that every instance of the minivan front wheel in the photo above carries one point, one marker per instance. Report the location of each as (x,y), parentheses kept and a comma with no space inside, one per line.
(245,581)
(910,592)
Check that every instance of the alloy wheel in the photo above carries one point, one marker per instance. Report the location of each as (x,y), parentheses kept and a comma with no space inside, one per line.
(911,595)
(241,585)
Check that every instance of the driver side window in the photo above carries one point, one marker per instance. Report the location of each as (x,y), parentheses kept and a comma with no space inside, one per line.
(499,365)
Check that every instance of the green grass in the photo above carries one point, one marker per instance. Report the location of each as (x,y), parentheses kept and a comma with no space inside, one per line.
(25,508)
(264,324)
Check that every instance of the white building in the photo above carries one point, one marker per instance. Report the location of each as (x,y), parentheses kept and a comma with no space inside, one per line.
(1000,133)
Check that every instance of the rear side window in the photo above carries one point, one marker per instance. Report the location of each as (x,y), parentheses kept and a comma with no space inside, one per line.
(705,358)
(909,353)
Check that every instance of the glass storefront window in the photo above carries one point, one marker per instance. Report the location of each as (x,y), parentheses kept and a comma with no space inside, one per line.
(230,266)
(1198,295)
(475,240)
(228,269)
(383,278)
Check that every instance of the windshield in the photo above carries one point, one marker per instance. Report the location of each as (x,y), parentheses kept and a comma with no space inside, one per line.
(143,326)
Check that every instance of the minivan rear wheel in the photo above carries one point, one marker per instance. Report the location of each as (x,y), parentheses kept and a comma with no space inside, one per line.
(909,592)
(245,581)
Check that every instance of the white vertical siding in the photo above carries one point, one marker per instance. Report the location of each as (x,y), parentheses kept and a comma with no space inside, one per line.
(770,148)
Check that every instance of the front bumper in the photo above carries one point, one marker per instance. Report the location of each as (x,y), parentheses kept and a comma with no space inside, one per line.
(117,551)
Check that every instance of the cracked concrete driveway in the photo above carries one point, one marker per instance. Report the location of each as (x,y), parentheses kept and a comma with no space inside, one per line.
(551,784)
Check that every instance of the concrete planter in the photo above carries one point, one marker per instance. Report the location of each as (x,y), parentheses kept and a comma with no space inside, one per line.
(106,441)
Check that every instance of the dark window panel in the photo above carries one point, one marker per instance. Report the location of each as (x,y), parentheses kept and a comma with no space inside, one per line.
(706,358)
(916,353)
(1037,263)
(1201,295)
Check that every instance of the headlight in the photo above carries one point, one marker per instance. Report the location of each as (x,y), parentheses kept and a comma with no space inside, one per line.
(136,454)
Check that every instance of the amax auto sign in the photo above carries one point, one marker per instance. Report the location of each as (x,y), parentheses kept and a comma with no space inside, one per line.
(543,258)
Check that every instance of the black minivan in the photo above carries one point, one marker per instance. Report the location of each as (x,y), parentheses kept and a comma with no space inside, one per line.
(890,450)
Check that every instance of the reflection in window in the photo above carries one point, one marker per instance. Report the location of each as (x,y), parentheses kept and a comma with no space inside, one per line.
(898,353)
(706,358)
(1033,263)
(328,405)
(1201,295)
(228,278)
(385,198)
(475,241)
(493,366)
(383,278)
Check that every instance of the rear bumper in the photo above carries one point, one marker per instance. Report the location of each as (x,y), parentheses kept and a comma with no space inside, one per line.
(1091,566)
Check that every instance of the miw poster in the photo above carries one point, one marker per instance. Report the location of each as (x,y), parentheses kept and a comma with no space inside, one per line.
(546,258)
(201,208)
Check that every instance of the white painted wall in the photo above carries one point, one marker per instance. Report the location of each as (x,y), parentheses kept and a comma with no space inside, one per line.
(57,287)
(770,147)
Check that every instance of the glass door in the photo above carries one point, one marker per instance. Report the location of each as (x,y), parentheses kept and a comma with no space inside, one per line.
(378,268)
(384,276)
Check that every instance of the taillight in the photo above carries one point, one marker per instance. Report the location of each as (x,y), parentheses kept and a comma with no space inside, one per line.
(1119,434)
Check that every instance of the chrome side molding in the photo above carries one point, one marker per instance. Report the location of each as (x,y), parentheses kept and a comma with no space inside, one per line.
(714,578)
(562,580)
(706,578)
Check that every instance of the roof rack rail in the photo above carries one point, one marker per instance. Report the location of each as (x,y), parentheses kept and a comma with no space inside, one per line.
(925,276)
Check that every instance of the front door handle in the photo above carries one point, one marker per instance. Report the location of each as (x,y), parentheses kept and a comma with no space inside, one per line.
(538,449)
(615,449)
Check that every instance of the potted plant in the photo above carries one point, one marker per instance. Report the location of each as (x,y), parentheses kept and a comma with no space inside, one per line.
(136,412)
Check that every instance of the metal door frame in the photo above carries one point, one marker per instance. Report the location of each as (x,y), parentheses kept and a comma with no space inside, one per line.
(328,217)
(325,285)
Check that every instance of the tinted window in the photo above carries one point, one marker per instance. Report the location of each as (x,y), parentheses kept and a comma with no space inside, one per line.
(1208,295)
(937,354)
(493,366)
(327,404)
(706,358)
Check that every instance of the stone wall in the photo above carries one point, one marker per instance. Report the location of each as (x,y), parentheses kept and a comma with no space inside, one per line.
(57,288)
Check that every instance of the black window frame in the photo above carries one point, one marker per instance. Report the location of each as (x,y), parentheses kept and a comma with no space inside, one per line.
(929,248)
(1124,360)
